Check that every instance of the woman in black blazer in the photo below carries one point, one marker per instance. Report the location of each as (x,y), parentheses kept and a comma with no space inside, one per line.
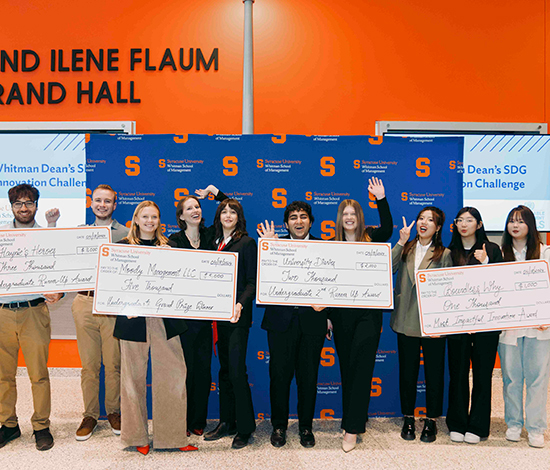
(471,423)
(357,330)
(236,410)
(139,336)
(197,340)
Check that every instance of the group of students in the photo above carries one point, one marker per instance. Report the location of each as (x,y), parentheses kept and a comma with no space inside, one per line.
(181,350)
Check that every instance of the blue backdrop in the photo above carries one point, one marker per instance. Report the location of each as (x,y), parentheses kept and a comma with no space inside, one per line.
(265,173)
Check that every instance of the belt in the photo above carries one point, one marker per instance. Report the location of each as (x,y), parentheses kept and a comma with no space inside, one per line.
(86,293)
(26,304)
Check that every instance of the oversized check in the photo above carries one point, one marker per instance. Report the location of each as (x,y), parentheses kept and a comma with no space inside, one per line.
(337,274)
(484,298)
(144,281)
(47,260)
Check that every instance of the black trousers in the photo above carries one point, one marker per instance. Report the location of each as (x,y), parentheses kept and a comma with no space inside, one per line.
(197,349)
(433,351)
(356,337)
(293,352)
(235,396)
(481,350)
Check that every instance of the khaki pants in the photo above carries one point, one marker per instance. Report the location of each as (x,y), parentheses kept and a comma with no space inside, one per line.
(28,329)
(168,387)
(94,334)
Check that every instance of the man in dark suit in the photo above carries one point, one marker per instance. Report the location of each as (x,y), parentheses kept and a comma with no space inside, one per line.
(296,336)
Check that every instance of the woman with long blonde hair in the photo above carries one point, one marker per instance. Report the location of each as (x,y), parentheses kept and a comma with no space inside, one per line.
(160,336)
(357,330)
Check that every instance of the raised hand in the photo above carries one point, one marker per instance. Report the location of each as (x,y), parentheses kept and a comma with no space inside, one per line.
(481,255)
(203,193)
(52,216)
(267,230)
(376,188)
(405,232)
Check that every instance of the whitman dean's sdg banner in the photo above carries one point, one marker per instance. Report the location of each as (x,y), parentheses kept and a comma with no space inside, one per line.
(266,173)
(52,163)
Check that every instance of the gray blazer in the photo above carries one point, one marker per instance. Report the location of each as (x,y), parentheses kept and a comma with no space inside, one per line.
(405,318)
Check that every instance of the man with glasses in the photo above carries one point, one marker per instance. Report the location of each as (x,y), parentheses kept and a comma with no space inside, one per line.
(94,334)
(25,324)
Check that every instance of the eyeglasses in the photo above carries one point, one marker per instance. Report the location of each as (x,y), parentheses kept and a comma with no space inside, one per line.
(470,220)
(27,204)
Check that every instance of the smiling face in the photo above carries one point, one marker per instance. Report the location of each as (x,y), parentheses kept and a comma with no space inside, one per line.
(192,212)
(103,204)
(148,221)
(517,227)
(228,219)
(298,224)
(24,210)
(426,226)
(349,219)
(467,225)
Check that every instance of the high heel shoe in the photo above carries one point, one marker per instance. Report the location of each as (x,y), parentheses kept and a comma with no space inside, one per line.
(143,450)
(188,448)
(349,444)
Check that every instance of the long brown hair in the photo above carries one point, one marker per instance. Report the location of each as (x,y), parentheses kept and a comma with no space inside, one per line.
(439,249)
(533,236)
(361,234)
(240,228)
(179,210)
(134,233)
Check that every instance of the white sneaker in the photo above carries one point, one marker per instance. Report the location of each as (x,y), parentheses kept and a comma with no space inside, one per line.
(536,440)
(457,436)
(513,434)
(471,438)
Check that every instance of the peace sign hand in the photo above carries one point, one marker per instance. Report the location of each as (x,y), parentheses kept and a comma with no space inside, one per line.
(405,232)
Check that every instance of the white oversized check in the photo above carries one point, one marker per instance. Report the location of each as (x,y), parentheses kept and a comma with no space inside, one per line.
(144,281)
(484,298)
(47,260)
(337,274)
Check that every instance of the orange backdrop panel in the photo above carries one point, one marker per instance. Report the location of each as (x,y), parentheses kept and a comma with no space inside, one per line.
(63,353)
(320,67)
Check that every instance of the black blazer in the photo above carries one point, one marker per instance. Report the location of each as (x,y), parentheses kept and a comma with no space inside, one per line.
(493,253)
(279,317)
(246,278)
(135,329)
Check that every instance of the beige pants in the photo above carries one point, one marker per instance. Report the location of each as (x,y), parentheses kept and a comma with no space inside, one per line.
(28,329)
(168,387)
(94,334)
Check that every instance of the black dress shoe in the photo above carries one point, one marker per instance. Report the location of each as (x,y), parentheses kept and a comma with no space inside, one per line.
(407,432)
(9,434)
(307,439)
(44,439)
(278,437)
(429,431)
(222,430)
(240,441)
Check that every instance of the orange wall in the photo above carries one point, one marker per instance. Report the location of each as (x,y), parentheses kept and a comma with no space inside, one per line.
(321,67)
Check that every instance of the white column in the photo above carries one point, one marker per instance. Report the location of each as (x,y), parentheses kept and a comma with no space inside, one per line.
(248,71)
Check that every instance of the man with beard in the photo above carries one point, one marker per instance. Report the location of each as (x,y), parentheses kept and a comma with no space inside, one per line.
(25,324)
(296,336)
(94,334)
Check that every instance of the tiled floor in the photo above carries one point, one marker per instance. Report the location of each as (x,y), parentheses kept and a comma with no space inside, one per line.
(380,447)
